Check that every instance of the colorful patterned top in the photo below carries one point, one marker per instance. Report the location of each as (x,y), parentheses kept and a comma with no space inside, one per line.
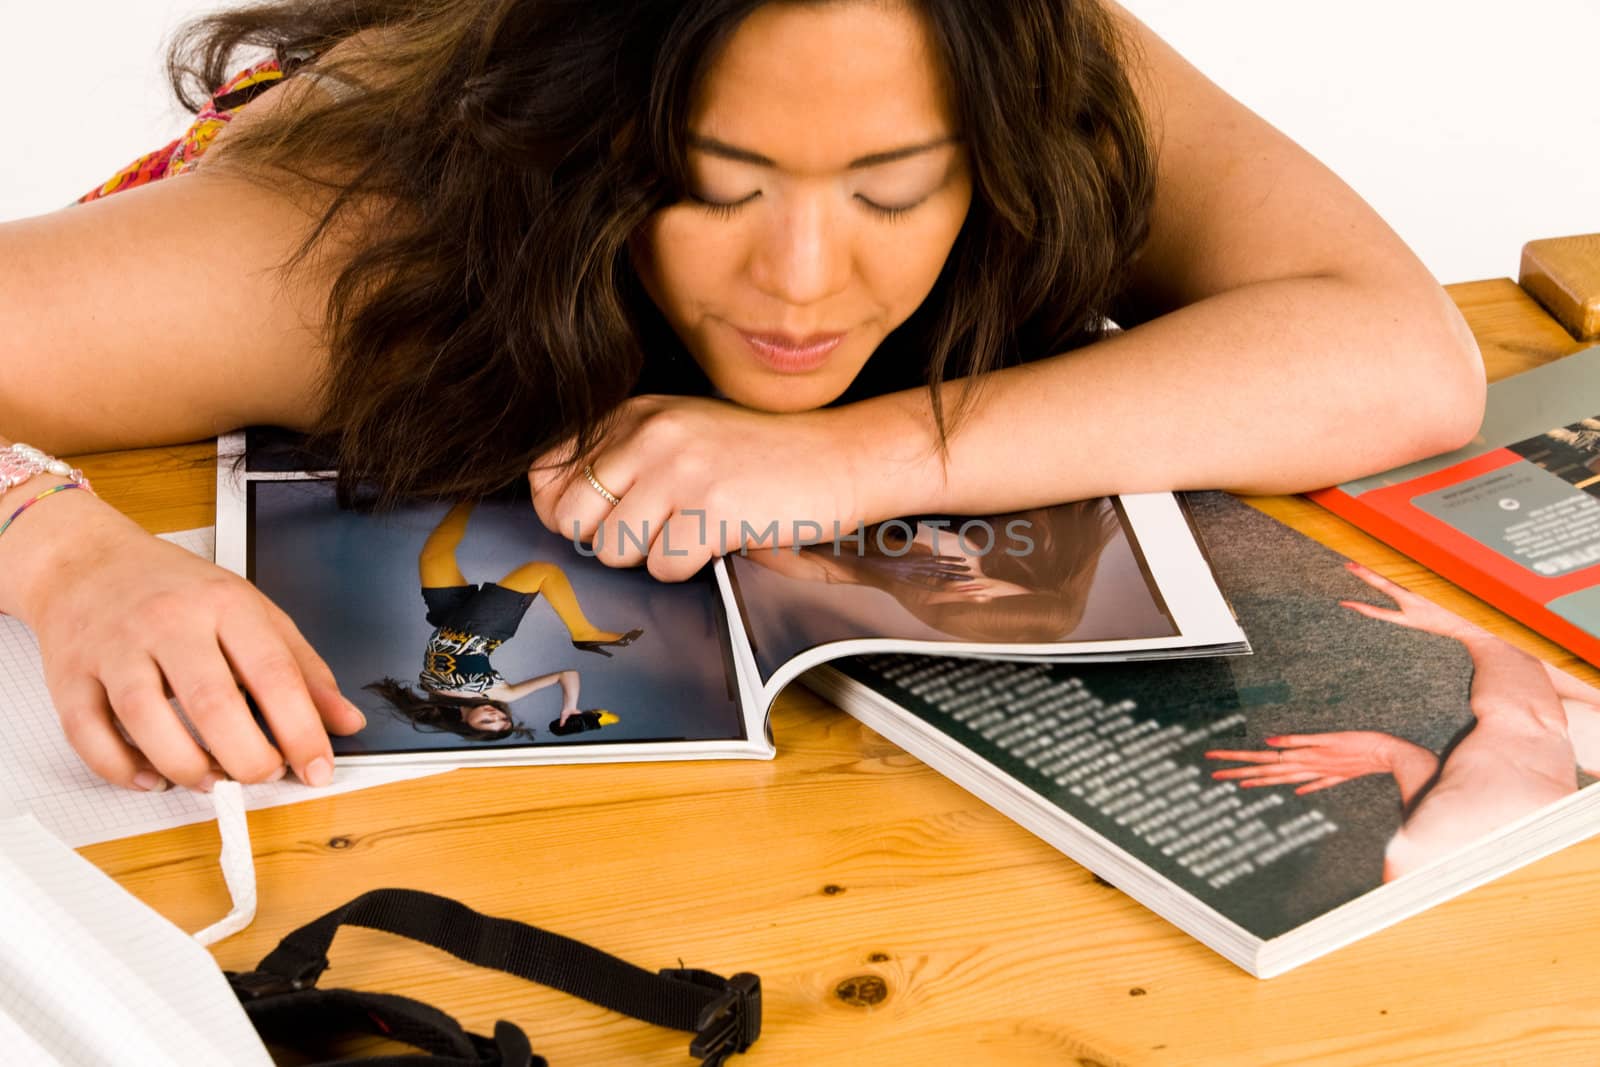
(184,153)
(458,661)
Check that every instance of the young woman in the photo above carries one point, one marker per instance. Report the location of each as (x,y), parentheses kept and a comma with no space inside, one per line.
(462,693)
(679,263)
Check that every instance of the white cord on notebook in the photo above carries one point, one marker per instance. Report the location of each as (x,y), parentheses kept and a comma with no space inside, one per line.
(237,862)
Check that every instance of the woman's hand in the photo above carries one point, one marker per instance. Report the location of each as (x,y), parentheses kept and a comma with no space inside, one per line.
(125,621)
(1413,612)
(927,571)
(1317,761)
(699,478)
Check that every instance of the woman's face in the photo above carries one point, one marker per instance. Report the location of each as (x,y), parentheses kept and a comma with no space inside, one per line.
(486,717)
(828,185)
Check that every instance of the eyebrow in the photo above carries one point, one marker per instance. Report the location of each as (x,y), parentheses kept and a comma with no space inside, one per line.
(712,146)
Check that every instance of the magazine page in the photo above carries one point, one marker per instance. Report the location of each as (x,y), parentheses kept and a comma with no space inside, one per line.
(1113,578)
(470,633)
(1515,516)
(1370,743)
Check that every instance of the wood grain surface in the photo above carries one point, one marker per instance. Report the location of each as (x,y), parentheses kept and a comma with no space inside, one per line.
(893,918)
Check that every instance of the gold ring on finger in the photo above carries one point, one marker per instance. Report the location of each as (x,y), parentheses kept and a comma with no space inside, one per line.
(611,498)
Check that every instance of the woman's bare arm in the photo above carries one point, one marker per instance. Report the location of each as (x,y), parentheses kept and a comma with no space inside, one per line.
(567,678)
(1281,338)
(153,316)
(158,315)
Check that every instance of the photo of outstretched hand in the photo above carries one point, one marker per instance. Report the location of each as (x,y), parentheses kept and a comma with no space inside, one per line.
(1311,762)
(1534,728)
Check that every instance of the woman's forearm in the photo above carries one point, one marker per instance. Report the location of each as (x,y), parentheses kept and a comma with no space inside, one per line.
(1279,386)
(1413,768)
(39,543)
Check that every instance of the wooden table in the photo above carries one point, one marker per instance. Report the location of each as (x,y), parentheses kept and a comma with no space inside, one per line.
(845,859)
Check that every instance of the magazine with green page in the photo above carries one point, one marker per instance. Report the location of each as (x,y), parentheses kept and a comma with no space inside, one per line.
(1374,756)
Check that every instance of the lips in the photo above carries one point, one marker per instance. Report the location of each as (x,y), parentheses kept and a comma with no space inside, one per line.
(788,354)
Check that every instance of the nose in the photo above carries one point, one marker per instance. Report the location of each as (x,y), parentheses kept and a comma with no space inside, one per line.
(804,255)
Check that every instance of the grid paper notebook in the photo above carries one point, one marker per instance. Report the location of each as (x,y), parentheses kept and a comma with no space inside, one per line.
(42,775)
(90,975)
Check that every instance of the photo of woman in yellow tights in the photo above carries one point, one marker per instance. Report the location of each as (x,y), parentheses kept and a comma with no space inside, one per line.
(462,693)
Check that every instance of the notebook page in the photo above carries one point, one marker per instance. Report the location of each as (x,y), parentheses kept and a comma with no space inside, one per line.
(91,975)
(41,774)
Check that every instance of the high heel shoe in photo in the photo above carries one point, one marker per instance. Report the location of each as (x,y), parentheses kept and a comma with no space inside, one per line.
(600,646)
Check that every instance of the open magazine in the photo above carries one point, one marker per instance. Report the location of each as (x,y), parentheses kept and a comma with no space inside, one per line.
(1514,516)
(469,632)
(1374,756)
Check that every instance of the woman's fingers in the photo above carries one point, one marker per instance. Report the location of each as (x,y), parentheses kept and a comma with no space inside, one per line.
(139,701)
(1286,773)
(1257,771)
(1373,578)
(1235,772)
(1372,611)
(550,476)
(1393,590)
(623,535)
(686,545)
(205,689)
(339,715)
(270,672)
(156,645)
(1245,755)
(546,487)
(1291,777)
(86,721)
(580,510)
(1308,740)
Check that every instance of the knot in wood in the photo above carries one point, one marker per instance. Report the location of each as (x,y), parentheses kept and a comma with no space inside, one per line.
(862,991)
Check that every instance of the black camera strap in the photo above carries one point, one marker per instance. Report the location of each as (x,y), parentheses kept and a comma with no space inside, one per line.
(282,999)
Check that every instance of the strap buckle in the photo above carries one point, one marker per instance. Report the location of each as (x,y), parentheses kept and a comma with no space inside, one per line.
(254,985)
(258,984)
(730,1023)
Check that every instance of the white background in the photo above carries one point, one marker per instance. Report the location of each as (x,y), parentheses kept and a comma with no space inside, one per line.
(1472,125)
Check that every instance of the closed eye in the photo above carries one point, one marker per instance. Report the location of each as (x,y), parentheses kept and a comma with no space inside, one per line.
(726,209)
(886,212)
(722,209)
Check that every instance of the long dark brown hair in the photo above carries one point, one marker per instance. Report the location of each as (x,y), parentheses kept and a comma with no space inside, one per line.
(436,713)
(506,150)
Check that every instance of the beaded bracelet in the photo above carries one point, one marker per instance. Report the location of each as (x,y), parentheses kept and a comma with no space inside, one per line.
(21,462)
